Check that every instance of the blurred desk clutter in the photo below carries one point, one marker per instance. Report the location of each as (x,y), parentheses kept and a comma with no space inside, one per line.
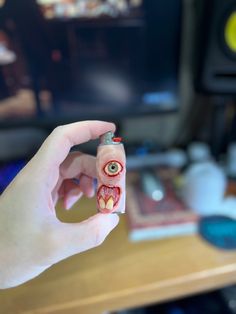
(171,216)
(87,8)
(188,188)
(151,219)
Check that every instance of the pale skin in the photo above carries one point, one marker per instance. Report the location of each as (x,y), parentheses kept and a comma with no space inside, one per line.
(31,237)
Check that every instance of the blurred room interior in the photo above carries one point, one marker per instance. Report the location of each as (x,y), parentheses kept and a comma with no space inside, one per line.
(165,72)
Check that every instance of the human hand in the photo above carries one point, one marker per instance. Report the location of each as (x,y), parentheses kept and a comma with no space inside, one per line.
(31,237)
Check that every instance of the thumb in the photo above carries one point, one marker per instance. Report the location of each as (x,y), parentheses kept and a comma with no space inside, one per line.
(78,237)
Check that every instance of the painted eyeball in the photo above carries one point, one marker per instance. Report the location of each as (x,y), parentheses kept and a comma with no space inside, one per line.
(113,168)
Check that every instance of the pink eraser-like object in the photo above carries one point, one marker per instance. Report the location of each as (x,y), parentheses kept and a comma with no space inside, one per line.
(111,174)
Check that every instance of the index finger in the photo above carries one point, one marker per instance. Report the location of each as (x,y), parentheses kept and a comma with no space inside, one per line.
(57,146)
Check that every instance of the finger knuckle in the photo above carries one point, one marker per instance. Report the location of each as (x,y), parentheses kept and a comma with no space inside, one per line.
(62,131)
(59,129)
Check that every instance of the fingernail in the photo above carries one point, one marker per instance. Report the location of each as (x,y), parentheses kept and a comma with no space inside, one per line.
(114,218)
(71,200)
(95,183)
(91,193)
(75,180)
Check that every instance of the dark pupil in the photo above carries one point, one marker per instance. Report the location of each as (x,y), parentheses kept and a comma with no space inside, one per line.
(113,167)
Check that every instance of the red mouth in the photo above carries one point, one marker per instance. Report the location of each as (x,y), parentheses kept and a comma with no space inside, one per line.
(108,198)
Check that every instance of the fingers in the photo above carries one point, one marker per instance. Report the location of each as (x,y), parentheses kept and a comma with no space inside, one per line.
(59,143)
(72,167)
(72,193)
(57,146)
(77,163)
(87,186)
(79,237)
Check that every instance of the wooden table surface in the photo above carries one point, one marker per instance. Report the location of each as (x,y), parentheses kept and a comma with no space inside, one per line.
(120,274)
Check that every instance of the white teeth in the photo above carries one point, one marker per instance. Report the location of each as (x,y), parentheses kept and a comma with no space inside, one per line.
(110,204)
(102,204)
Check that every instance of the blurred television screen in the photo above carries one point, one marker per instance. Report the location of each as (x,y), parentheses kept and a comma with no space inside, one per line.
(65,60)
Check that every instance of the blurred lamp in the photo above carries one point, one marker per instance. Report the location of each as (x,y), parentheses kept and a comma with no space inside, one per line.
(2,2)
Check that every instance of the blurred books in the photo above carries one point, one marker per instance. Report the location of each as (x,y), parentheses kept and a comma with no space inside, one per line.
(149,219)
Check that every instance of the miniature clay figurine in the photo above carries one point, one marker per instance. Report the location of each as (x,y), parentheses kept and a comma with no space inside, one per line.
(111,170)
